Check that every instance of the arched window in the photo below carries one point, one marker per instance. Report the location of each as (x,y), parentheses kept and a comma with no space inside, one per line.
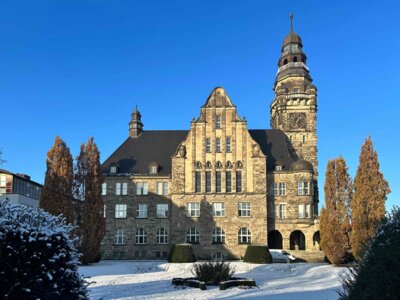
(244,236)
(141,236)
(285,61)
(295,59)
(162,236)
(218,236)
(193,236)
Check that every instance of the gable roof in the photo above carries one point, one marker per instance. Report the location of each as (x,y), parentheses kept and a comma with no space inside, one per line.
(135,154)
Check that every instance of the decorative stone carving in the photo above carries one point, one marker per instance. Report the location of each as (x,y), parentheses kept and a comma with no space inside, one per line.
(182,151)
(198,165)
(256,150)
(229,165)
(239,165)
(208,165)
(218,165)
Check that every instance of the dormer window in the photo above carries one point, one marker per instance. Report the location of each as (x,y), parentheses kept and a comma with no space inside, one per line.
(278,168)
(153,168)
(113,169)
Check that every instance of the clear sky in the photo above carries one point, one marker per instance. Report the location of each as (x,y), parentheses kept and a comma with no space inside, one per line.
(77,68)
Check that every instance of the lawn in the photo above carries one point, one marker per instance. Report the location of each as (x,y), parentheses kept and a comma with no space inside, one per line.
(152,280)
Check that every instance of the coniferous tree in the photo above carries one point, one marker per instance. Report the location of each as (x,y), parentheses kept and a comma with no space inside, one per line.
(56,195)
(335,218)
(368,205)
(88,181)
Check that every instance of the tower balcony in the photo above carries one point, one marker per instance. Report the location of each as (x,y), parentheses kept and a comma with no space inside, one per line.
(293,65)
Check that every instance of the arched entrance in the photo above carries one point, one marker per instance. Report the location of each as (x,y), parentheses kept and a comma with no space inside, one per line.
(297,240)
(316,240)
(274,240)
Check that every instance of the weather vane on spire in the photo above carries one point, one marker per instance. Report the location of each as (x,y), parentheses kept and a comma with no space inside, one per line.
(291,22)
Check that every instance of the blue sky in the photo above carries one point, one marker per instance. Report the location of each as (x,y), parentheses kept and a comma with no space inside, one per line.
(78,68)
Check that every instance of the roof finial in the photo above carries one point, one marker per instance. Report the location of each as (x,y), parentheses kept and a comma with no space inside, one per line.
(291,22)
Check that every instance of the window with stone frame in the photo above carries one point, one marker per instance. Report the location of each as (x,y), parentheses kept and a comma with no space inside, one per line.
(218,180)
(124,188)
(159,188)
(193,209)
(217,145)
(197,187)
(280,211)
(119,237)
(162,211)
(208,182)
(304,211)
(304,188)
(228,181)
(104,189)
(218,122)
(141,211)
(118,188)
(218,236)
(193,236)
(244,209)
(141,236)
(244,236)
(120,211)
(162,236)
(228,144)
(208,145)
(165,188)
(218,209)
(238,181)
(142,188)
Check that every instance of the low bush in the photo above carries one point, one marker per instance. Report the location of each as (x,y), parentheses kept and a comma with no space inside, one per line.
(258,254)
(37,258)
(377,276)
(213,272)
(181,253)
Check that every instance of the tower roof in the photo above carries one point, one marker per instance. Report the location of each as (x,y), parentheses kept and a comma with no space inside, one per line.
(292,37)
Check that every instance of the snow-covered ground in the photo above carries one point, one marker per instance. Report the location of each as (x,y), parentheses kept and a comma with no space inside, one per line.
(152,280)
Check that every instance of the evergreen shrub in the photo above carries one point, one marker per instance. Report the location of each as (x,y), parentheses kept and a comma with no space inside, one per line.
(37,258)
(258,254)
(213,272)
(377,275)
(181,253)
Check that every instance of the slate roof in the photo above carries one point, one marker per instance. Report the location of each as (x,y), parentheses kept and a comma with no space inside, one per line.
(135,154)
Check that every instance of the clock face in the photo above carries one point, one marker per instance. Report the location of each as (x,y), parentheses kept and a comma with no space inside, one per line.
(297,121)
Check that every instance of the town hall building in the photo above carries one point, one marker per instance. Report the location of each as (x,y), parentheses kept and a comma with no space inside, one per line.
(220,185)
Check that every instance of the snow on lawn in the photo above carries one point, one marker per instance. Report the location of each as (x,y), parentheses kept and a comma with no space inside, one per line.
(152,280)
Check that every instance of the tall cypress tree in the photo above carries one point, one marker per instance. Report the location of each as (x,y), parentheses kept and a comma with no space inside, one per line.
(368,205)
(56,194)
(335,218)
(88,181)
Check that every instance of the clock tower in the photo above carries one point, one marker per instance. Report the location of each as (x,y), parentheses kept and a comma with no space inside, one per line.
(294,107)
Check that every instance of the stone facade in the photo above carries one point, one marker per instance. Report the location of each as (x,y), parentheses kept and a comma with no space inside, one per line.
(225,186)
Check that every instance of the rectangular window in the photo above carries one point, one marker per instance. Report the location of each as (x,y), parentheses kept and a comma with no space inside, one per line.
(244,209)
(238,182)
(104,189)
(308,211)
(120,211)
(139,188)
(275,189)
(218,209)
(276,211)
(3,180)
(104,211)
(118,188)
(208,182)
(228,144)
(141,211)
(208,145)
(300,190)
(197,187)
(165,187)
(218,145)
(282,211)
(145,188)
(228,181)
(301,211)
(282,188)
(159,188)
(193,209)
(125,188)
(119,237)
(218,182)
(162,210)
(304,139)
(306,188)
(218,122)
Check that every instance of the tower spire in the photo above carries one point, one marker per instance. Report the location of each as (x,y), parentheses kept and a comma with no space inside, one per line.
(291,22)
(135,125)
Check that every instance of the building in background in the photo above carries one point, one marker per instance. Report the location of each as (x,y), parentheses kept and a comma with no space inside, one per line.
(19,188)
(219,185)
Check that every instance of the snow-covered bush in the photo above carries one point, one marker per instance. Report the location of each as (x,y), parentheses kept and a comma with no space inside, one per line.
(37,258)
(213,272)
(377,276)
